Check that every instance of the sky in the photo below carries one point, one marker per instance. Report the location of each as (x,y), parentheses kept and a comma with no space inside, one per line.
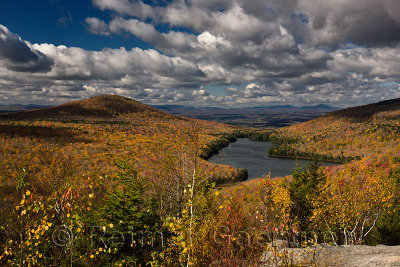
(228,53)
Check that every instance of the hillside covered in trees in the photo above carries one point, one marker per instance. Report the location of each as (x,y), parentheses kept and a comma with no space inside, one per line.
(109,181)
(72,155)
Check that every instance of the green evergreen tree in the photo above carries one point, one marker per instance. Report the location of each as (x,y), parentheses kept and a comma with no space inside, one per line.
(302,189)
(130,223)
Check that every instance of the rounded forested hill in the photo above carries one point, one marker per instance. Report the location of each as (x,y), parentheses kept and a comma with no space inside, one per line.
(365,112)
(106,106)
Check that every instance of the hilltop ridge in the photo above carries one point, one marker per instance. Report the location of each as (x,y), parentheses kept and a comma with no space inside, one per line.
(364,112)
(103,106)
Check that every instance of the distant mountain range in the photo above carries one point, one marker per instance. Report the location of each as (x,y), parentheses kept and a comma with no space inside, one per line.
(179,108)
(190,111)
(19,107)
(111,106)
(261,116)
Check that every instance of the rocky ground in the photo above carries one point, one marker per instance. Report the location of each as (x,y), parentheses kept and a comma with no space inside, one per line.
(334,256)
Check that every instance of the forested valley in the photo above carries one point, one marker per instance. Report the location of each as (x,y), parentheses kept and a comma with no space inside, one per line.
(108,181)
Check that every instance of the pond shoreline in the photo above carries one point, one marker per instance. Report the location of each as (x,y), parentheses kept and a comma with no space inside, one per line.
(252,155)
(305,158)
(225,140)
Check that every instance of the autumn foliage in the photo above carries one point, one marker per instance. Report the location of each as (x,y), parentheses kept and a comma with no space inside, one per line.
(109,181)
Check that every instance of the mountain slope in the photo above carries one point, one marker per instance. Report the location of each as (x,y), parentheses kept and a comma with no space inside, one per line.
(345,134)
(365,112)
(103,106)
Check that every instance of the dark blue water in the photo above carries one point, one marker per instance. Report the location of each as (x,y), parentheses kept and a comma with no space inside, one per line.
(252,155)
